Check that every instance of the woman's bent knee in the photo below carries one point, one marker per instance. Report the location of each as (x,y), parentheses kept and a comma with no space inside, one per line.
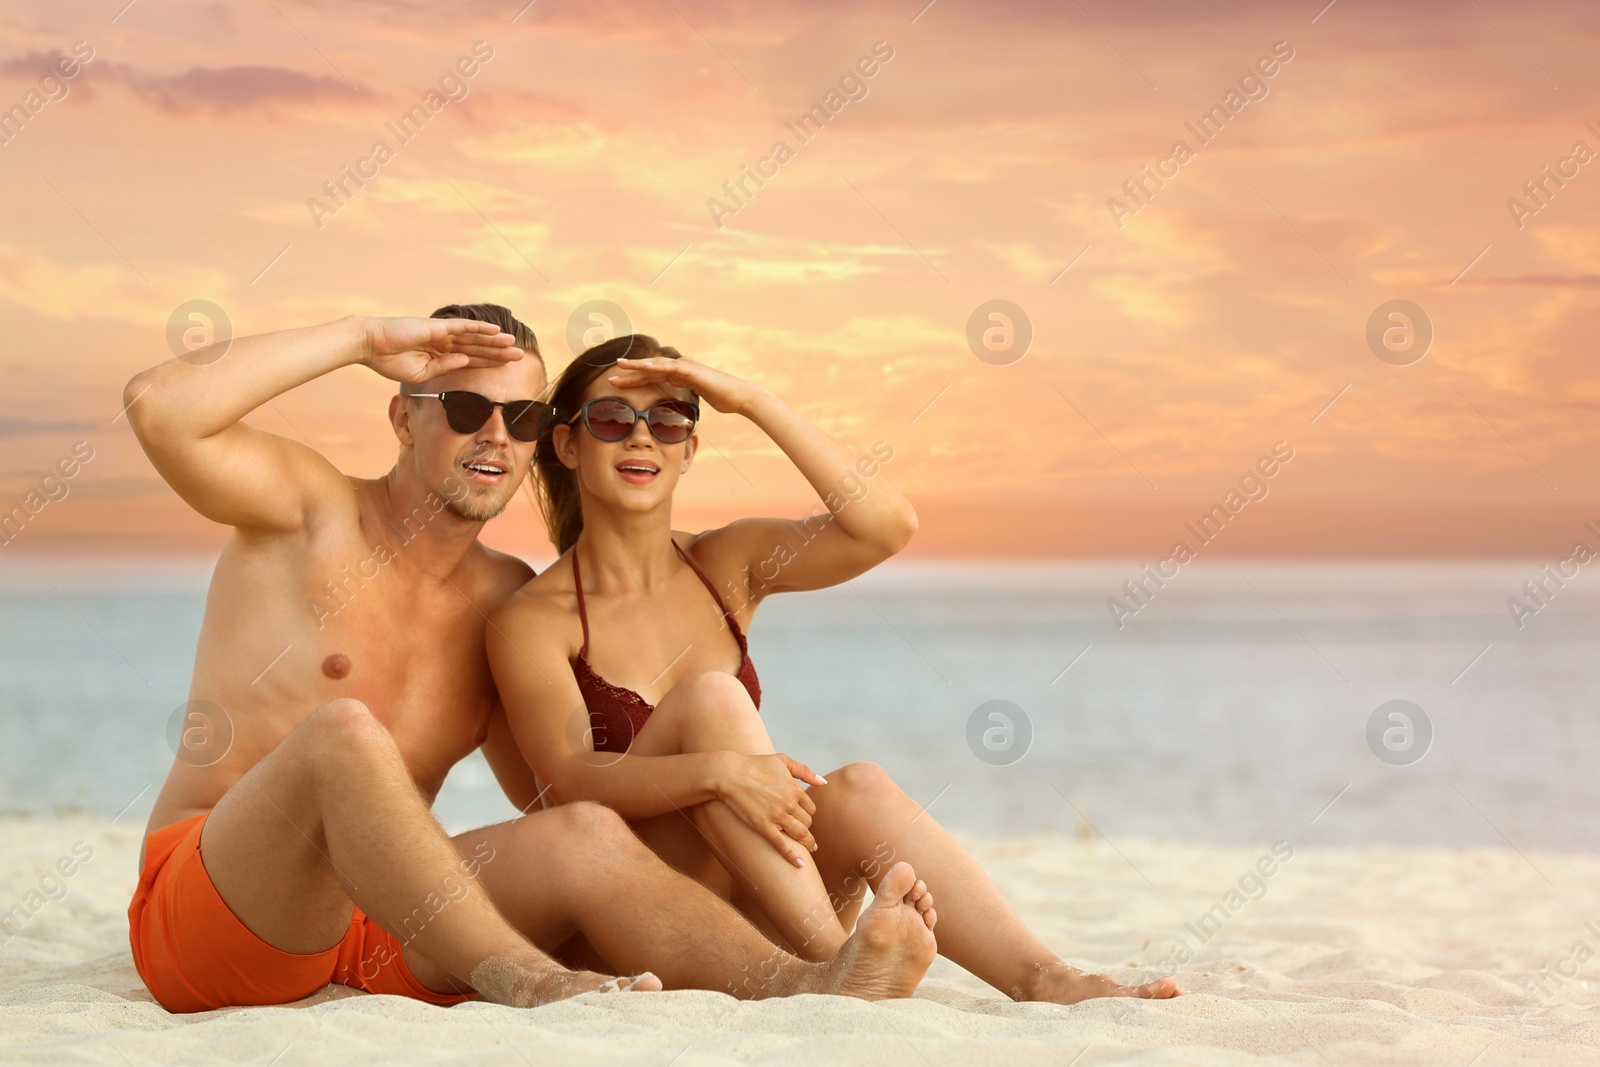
(714,689)
(863,775)
(857,784)
(713,706)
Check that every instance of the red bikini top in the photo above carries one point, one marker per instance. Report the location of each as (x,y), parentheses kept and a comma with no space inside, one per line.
(616,715)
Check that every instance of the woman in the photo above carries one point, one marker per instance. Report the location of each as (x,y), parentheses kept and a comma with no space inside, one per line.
(626,678)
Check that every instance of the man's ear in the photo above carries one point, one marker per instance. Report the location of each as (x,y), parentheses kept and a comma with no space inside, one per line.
(400,419)
(564,441)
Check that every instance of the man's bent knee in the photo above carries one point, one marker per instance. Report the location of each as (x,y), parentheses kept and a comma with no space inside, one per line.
(577,825)
(583,839)
(344,719)
(587,821)
(342,732)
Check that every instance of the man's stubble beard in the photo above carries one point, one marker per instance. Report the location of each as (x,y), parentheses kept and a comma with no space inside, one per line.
(474,509)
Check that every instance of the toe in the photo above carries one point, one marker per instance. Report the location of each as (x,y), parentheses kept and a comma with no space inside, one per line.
(1160,989)
(897,883)
(642,983)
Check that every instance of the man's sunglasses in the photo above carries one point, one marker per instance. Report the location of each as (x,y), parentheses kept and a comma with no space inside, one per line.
(526,420)
(609,419)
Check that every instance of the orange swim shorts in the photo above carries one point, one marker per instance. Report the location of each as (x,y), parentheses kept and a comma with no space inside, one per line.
(194,954)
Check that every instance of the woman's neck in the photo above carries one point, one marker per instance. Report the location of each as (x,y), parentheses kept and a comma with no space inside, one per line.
(628,553)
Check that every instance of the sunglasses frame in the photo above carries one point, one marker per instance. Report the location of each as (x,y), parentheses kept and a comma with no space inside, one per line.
(550,412)
(583,412)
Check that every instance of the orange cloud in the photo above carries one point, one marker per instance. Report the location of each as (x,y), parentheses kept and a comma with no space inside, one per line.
(1227,313)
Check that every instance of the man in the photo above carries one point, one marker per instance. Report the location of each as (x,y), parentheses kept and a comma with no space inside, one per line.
(341,672)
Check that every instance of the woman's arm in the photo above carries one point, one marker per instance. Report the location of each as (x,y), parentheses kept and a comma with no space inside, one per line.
(545,712)
(867,520)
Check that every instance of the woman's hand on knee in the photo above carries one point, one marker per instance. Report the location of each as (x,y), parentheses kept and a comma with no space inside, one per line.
(763,792)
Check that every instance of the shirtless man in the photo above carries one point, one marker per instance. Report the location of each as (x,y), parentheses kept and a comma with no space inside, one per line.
(341,672)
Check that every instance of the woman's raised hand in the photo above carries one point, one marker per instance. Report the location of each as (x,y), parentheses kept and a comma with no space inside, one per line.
(763,792)
(721,390)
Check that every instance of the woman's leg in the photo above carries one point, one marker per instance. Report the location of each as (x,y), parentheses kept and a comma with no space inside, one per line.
(712,711)
(865,823)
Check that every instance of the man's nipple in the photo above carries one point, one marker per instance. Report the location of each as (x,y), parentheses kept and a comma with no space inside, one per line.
(336,666)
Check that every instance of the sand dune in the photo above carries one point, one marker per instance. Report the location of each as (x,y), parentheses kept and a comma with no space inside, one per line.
(1371,956)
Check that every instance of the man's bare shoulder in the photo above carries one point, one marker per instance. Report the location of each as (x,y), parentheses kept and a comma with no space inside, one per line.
(539,590)
(343,502)
(551,591)
(502,573)
(509,572)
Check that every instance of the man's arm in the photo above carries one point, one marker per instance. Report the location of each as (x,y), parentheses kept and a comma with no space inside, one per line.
(187,417)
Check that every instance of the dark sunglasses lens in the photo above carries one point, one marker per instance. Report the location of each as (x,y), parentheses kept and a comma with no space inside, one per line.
(527,419)
(466,412)
(671,422)
(610,420)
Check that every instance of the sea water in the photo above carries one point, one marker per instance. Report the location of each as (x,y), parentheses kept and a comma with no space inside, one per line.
(1237,706)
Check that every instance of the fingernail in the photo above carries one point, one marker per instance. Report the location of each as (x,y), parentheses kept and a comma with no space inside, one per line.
(821,779)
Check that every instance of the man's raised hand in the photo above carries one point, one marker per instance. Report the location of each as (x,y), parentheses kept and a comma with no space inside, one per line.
(416,350)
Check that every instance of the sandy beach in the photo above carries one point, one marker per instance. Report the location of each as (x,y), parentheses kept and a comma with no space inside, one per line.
(1341,956)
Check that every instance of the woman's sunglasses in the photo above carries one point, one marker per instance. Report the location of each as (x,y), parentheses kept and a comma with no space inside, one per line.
(609,419)
(526,420)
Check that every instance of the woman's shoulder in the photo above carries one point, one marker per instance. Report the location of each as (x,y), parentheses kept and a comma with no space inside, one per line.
(708,548)
(544,598)
(723,555)
(734,547)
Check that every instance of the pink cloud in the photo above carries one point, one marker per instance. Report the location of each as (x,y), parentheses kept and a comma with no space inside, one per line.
(225,90)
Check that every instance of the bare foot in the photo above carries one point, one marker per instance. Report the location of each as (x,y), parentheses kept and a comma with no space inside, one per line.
(1060,984)
(503,981)
(893,944)
(639,983)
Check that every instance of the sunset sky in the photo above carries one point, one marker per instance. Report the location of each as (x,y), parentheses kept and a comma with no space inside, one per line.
(1378,162)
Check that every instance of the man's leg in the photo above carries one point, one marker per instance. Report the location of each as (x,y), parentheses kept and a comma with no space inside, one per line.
(578,868)
(331,816)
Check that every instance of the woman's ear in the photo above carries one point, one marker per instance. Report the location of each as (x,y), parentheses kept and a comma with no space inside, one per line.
(564,441)
(690,447)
